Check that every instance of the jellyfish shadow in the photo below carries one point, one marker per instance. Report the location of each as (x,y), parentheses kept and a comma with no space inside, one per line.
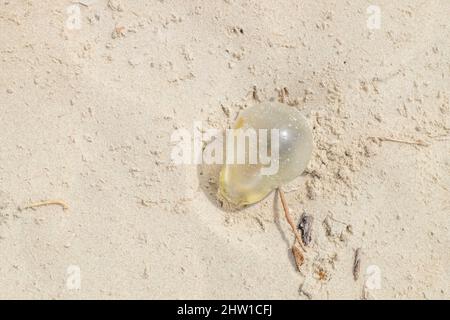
(208,177)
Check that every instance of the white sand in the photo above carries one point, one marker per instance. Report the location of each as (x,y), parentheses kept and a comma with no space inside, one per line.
(86,117)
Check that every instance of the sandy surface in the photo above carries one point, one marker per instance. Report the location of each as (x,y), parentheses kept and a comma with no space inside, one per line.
(87,114)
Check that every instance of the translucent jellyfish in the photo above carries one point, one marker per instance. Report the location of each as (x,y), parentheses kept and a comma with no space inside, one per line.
(289,146)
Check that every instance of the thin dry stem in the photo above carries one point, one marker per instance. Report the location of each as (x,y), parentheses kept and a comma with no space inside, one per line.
(48,203)
(289,219)
(416,142)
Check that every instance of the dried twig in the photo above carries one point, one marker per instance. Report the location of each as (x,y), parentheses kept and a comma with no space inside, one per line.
(357,264)
(289,219)
(48,203)
(416,142)
(255,95)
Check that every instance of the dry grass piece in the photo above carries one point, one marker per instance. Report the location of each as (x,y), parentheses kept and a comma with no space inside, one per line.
(357,264)
(48,203)
(289,219)
(416,142)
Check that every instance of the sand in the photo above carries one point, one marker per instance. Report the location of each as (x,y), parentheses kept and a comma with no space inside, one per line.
(88,107)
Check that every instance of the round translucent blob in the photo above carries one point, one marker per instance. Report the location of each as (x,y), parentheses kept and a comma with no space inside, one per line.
(288,149)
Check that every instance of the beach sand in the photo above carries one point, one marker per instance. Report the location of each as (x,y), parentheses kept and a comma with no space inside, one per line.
(91,92)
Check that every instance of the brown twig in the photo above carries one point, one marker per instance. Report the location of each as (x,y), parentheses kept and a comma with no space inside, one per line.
(289,219)
(48,203)
(357,264)
(416,142)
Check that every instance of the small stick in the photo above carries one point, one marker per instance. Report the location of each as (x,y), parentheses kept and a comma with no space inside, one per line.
(289,218)
(48,203)
(417,142)
(357,264)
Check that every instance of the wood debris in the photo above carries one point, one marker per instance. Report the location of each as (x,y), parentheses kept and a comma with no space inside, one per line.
(255,95)
(414,142)
(357,264)
(298,247)
(48,203)
(289,219)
